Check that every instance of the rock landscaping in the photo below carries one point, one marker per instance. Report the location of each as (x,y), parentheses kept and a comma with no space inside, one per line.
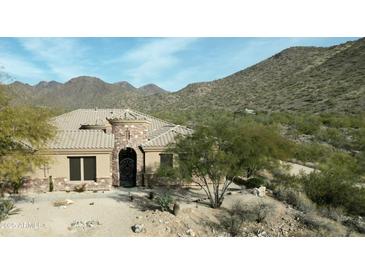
(244,213)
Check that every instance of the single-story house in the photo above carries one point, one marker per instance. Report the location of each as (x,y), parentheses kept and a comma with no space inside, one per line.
(101,148)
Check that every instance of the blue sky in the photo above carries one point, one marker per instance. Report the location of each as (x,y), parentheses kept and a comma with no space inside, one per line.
(171,63)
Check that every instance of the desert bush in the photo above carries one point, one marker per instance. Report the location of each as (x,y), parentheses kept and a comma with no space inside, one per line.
(343,165)
(342,120)
(7,208)
(254,182)
(306,124)
(333,189)
(164,201)
(311,152)
(359,139)
(232,221)
(239,213)
(294,197)
(260,212)
(324,226)
(333,213)
(333,136)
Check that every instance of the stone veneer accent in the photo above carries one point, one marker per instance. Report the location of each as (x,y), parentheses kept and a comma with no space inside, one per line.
(138,130)
(63,184)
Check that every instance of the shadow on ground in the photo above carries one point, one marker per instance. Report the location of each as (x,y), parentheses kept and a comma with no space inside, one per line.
(142,203)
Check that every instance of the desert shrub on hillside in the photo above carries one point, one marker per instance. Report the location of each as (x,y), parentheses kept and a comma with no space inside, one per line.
(360,158)
(323,226)
(334,137)
(332,189)
(359,139)
(294,197)
(333,213)
(239,213)
(343,120)
(311,152)
(254,182)
(305,124)
(233,220)
(342,163)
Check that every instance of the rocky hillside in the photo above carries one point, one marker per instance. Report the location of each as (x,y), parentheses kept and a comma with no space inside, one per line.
(306,79)
(309,79)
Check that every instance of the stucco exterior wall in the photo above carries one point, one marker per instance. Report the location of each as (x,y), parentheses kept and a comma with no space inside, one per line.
(59,169)
(152,164)
(152,161)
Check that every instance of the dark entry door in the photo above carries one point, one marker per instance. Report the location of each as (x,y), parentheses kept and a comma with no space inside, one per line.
(127,167)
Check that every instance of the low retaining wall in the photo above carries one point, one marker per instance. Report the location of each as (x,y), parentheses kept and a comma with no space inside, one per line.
(63,184)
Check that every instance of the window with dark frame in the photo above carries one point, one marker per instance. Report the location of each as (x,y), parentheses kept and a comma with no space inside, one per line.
(75,168)
(88,169)
(166,160)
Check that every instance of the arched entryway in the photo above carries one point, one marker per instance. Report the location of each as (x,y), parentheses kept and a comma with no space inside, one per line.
(127,167)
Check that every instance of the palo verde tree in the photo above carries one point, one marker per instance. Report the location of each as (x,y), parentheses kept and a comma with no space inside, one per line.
(23,131)
(259,146)
(221,149)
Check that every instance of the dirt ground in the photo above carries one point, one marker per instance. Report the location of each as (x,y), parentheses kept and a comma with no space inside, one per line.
(114,213)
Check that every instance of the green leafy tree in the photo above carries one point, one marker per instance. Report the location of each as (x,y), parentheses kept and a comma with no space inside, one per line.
(259,147)
(23,132)
(204,159)
(221,149)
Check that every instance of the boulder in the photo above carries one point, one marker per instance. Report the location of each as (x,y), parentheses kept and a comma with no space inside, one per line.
(260,192)
(190,232)
(137,228)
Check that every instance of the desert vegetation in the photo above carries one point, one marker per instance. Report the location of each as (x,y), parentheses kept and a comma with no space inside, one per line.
(225,148)
(250,149)
(23,131)
(220,150)
(308,110)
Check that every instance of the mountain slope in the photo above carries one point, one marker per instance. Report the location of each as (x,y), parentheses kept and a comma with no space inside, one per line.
(151,89)
(306,79)
(79,92)
(297,79)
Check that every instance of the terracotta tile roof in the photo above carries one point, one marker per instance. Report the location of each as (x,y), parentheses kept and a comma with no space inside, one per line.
(74,119)
(167,137)
(82,139)
(69,135)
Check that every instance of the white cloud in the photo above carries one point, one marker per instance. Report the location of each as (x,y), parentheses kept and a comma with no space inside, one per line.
(17,67)
(64,57)
(151,59)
